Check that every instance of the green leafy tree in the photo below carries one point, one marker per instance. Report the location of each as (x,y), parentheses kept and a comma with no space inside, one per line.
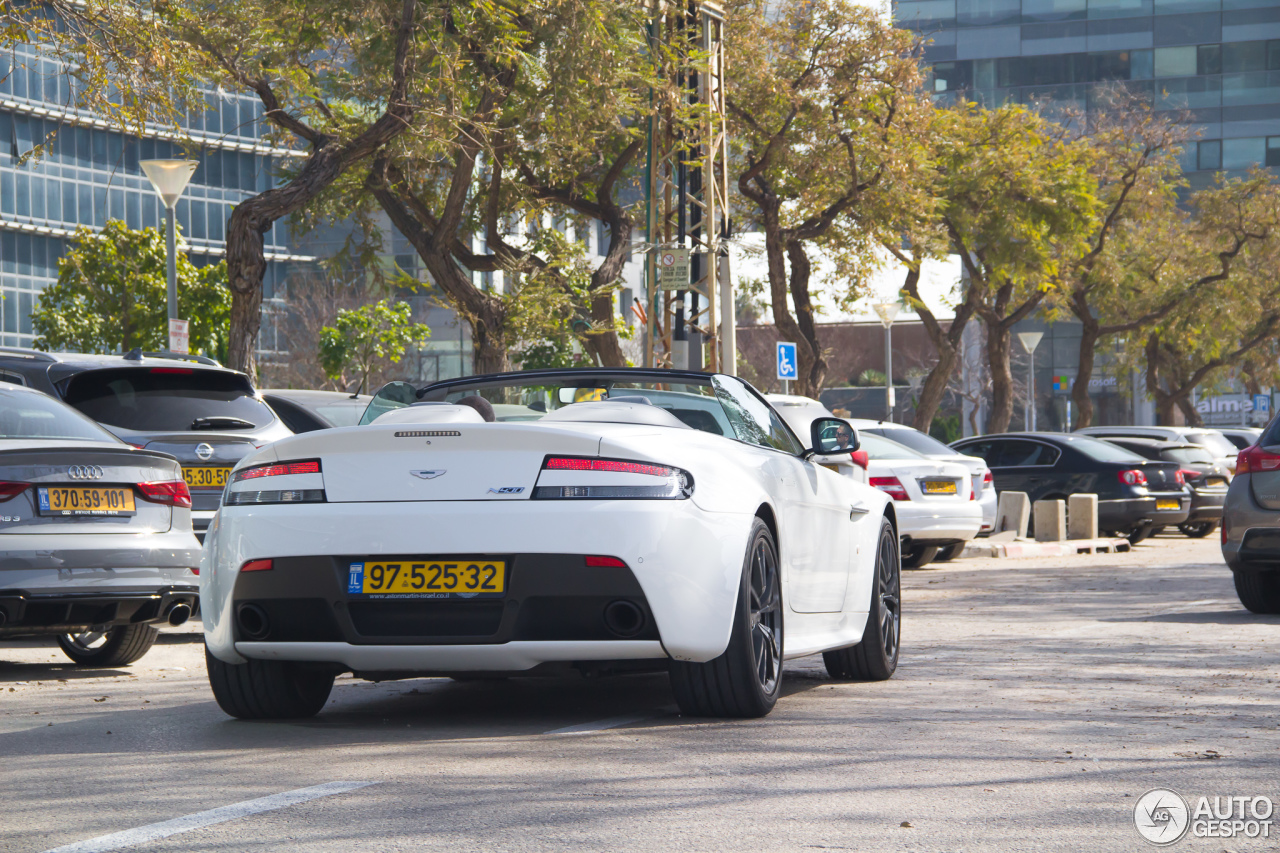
(111,296)
(828,120)
(360,338)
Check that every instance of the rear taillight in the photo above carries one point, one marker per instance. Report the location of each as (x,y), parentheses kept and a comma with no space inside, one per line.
(988,479)
(301,467)
(9,490)
(169,492)
(585,478)
(1255,459)
(1132,477)
(278,469)
(891,486)
(1186,475)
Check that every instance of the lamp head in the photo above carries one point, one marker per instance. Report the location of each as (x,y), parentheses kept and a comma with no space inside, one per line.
(887,311)
(1030,340)
(169,177)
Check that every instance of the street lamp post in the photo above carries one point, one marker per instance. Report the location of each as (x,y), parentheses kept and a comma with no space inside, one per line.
(170,178)
(887,311)
(1031,340)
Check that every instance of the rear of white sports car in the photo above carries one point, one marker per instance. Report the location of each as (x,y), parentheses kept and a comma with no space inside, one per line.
(456,547)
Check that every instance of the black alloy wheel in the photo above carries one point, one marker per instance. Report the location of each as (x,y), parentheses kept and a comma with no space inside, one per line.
(745,680)
(876,657)
(117,646)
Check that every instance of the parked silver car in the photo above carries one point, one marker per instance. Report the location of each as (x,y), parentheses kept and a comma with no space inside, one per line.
(1218,445)
(1251,524)
(96,546)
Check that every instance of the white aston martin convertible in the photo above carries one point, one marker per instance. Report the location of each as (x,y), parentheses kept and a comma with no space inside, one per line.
(599,520)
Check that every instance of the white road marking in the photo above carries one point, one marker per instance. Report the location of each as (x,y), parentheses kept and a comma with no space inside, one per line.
(153,831)
(597,726)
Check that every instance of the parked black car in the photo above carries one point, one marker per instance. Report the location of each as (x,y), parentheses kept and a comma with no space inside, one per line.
(190,407)
(1135,495)
(1207,479)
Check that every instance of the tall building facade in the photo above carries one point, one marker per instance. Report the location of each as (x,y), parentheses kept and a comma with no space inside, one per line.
(87,172)
(1218,59)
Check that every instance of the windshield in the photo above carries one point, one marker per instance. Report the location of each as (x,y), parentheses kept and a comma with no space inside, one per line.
(916,440)
(721,405)
(879,447)
(155,399)
(1103,451)
(25,415)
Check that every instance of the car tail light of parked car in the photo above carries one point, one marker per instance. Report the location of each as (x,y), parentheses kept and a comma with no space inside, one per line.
(170,493)
(10,490)
(891,486)
(599,478)
(1255,459)
(1132,477)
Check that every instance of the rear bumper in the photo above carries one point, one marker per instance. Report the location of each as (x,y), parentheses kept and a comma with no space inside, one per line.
(23,613)
(508,657)
(1134,512)
(1207,506)
(923,524)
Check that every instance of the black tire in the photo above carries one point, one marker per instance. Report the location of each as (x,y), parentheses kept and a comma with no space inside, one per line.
(919,556)
(117,646)
(1259,591)
(949,553)
(268,689)
(1197,529)
(876,657)
(745,680)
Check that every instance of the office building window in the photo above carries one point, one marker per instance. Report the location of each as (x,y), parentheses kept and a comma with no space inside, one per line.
(985,13)
(1210,155)
(1181,7)
(1119,8)
(1243,153)
(1054,10)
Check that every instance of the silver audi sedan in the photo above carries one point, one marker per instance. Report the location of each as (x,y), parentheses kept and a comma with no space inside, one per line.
(96,546)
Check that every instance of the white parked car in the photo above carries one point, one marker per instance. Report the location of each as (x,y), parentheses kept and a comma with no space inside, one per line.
(935,504)
(984,487)
(937,507)
(648,520)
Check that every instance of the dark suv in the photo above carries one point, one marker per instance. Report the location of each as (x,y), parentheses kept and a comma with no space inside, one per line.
(190,407)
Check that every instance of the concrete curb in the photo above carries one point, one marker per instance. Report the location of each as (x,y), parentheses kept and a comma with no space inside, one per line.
(1027,548)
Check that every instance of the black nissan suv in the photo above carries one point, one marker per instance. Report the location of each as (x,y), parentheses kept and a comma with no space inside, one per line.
(205,415)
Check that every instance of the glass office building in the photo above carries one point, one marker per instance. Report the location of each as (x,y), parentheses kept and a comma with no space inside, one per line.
(1219,59)
(89,173)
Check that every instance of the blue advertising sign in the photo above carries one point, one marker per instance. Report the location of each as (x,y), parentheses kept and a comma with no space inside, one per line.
(787,368)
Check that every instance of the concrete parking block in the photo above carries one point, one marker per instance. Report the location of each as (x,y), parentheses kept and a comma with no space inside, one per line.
(1051,521)
(1082,517)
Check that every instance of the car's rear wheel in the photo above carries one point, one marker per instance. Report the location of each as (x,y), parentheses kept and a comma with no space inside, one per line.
(268,689)
(876,657)
(1259,591)
(745,680)
(117,646)
(1197,529)
(919,556)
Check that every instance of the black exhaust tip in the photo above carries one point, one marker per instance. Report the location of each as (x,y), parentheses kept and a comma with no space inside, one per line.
(179,613)
(253,622)
(624,618)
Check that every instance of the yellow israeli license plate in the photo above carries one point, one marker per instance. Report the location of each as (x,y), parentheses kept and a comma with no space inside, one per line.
(939,487)
(85,500)
(428,577)
(206,478)
(1168,504)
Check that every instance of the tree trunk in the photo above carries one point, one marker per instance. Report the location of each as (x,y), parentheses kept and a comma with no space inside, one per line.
(605,346)
(1080,399)
(945,342)
(998,355)
(788,329)
(488,352)
(801,269)
(246,266)
(1189,413)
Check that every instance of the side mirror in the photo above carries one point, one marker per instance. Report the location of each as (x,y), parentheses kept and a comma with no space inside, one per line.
(393,395)
(832,437)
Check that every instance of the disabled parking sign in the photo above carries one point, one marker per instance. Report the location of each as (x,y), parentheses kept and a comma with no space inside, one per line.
(787,362)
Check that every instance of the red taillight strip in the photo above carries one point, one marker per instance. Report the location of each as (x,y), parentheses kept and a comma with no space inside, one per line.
(613,466)
(9,490)
(598,562)
(279,469)
(171,493)
(891,486)
(258,566)
(1254,459)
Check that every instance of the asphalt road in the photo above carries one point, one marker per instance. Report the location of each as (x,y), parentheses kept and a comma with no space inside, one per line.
(1035,701)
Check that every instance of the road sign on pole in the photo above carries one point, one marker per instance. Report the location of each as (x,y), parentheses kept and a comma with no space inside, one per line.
(673,269)
(1262,404)
(179,335)
(787,368)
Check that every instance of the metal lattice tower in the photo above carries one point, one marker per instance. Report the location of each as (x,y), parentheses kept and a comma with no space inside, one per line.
(687,190)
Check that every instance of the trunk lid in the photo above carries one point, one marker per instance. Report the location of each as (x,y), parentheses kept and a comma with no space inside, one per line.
(206,460)
(103,467)
(434,461)
(1161,476)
